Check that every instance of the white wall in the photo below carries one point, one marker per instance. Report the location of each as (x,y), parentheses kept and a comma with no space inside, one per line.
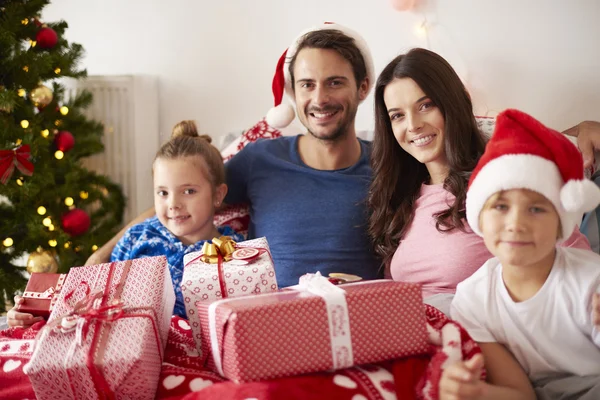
(215,59)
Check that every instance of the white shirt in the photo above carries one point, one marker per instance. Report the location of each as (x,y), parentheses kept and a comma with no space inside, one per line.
(550,333)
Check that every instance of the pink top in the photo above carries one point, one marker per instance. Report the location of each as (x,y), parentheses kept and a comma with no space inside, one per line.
(437,260)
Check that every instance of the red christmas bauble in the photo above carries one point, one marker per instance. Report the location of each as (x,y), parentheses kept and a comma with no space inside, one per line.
(64,141)
(46,38)
(75,222)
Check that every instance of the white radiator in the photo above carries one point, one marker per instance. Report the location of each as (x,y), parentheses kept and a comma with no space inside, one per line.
(128,108)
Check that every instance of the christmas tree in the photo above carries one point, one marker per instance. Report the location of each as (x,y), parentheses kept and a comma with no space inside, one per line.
(51,207)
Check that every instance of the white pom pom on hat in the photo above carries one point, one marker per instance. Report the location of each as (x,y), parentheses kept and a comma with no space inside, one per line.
(525,154)
(282,114)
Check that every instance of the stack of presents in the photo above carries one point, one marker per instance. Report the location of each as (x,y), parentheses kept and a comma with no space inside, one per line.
(109,326)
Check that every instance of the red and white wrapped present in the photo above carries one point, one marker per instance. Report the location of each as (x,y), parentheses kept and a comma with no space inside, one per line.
(225,269)
(321,327)
(41,293)
(107,333)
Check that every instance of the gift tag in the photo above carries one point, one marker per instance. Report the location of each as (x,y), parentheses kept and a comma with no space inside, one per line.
(245,254)
(338,278)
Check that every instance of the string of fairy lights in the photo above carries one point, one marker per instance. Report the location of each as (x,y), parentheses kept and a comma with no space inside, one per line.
(47,221)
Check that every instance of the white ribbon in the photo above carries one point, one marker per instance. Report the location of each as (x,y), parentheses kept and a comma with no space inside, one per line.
(46,295)
(337,317)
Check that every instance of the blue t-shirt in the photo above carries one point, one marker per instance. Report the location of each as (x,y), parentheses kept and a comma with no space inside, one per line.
(150,238)
(314,220)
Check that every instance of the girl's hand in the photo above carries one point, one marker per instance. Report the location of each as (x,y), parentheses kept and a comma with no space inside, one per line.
(461,381)
(16,318)
(596,310)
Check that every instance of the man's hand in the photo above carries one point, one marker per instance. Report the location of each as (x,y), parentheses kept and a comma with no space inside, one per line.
(588,140)
(461,381)
(16,318)
(100,256)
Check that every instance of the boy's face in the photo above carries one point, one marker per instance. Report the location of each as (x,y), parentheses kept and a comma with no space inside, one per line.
(520,227)
(183,198)
(326,94)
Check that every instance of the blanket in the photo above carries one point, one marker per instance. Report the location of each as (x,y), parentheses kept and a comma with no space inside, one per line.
(184,377)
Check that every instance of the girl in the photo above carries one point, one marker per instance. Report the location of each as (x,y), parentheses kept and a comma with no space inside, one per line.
(425,146)
(189,184)
(530,308)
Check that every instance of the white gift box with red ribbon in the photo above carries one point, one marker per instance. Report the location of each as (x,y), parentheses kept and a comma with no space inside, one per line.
(251,272)
(107,333)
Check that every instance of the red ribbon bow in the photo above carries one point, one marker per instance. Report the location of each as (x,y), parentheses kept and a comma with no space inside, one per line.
(17,157)
(87,310)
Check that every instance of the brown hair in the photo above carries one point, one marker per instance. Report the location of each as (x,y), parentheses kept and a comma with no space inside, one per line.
(397,176)
(333,39)
(186,142)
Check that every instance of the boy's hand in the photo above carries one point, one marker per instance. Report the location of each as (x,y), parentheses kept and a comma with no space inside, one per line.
(16,318)
(461,381)
(596,310)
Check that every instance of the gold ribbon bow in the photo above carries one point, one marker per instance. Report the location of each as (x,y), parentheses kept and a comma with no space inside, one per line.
(223,246)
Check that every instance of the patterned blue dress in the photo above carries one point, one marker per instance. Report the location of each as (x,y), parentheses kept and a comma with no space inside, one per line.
(150,238)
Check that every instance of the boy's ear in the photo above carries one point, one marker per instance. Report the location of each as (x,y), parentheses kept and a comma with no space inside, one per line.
(220,192)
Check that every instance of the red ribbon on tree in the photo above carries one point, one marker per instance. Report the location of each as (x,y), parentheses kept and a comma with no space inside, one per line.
(17,157)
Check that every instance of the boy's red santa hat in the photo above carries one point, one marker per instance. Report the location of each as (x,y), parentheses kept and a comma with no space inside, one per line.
(525,154)
(282,114)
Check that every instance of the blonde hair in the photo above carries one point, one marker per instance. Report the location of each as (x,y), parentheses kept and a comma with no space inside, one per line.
(186,142)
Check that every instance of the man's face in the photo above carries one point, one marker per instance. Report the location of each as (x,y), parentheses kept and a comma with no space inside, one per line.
(326,94)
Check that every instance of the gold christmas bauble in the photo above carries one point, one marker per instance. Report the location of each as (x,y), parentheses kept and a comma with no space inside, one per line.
(42,261)
(41,96)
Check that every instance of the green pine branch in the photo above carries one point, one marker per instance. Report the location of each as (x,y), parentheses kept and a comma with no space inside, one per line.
(23,67)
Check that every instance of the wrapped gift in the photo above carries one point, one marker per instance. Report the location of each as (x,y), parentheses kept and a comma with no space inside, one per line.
(106,335)
(322,327)
(225,269)
(41,293)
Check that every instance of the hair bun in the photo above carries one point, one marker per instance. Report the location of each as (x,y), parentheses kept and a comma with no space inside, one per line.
(206,137)
(185,128)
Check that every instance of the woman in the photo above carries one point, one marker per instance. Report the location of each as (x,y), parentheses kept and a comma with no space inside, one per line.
(425,146)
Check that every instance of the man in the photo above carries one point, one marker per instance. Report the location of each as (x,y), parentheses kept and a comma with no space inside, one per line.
(307,193)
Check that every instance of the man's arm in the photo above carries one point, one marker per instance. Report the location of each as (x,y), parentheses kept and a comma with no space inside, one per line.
(102,255)
(588,140)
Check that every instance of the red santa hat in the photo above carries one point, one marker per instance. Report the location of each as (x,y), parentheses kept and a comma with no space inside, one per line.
(525,154)
(282,114)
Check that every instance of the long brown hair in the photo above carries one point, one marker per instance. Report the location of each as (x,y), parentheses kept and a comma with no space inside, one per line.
(186,142)
(397,176)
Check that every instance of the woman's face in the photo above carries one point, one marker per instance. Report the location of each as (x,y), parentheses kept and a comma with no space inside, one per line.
(417,123)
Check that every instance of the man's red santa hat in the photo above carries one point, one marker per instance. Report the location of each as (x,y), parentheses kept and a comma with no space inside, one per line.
(525,154)
(282,114)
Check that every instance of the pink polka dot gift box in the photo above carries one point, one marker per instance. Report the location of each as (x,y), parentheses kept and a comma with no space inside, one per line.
(318,327)
(226,270)
(107,333)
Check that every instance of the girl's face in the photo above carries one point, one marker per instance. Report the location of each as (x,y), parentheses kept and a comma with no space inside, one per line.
(520,227)
(417,123)
(185,199)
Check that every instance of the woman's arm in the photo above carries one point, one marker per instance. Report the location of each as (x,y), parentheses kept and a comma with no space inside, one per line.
(102,255)
(505,377)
